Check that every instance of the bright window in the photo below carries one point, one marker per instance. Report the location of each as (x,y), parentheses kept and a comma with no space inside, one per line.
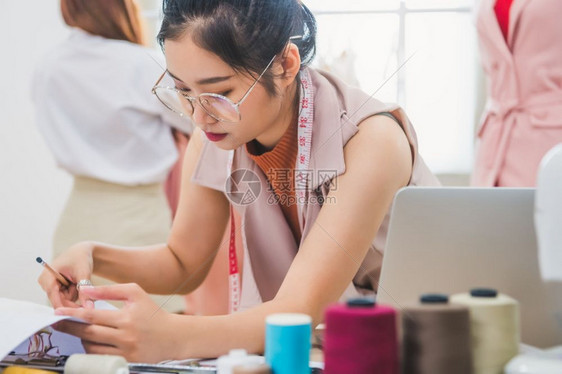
(419,53)
(365,43)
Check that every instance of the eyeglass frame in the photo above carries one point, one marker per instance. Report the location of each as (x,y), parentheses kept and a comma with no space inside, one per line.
(191,99)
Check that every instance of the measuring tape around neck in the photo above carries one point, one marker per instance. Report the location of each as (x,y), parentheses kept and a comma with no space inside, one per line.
(302,179)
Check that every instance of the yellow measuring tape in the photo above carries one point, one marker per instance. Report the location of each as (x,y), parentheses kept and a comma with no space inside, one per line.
(22,370)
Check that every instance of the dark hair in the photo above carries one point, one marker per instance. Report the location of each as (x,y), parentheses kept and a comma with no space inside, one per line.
(245,34)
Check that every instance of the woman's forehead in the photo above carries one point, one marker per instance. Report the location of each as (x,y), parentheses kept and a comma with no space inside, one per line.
(191,63)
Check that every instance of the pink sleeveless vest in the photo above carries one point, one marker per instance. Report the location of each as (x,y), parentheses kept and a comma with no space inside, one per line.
(267,236)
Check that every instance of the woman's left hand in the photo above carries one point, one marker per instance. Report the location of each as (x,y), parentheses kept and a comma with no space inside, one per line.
(140,331)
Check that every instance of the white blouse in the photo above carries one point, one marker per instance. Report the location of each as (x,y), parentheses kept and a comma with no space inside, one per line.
(96,111)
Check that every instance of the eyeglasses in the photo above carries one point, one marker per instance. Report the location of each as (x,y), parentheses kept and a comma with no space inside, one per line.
(219,107)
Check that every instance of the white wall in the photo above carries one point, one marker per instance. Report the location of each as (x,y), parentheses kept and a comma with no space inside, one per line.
(32,189)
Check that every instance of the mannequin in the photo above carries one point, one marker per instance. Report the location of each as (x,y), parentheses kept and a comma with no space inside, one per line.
(548,215)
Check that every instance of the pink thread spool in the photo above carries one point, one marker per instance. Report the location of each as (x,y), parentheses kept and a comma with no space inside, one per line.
(360,338)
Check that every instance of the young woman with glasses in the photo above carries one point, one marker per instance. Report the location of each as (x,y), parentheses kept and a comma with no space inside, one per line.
(309,163)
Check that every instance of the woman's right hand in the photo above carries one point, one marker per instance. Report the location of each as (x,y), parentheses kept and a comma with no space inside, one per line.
(75,264)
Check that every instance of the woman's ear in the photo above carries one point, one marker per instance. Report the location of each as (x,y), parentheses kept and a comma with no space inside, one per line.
(290,65)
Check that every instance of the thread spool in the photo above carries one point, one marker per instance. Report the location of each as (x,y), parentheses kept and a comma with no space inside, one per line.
(436,337)
(360,338)
(236,357)
(96,364)
(494,321)
(252,369)
(287,343)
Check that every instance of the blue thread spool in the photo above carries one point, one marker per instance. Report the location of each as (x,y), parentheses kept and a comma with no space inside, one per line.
(287,343)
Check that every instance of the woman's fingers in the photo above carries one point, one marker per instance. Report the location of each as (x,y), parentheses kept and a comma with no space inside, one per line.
(122,292)
(85,300)
(58,295)
(75,264)
(104,333)
(128,331)
(107,318)
(68,304)
(52,288)
(101,349)
(93,334)
(55,298)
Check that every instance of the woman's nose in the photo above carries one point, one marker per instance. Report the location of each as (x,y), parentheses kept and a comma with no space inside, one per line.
(200,115)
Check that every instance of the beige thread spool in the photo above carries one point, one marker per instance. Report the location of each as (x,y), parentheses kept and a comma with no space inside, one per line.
(252,369)
(495,328)
(96,364)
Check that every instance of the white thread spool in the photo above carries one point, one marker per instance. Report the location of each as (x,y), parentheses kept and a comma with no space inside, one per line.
(96,364)
(236,357)
(495,331)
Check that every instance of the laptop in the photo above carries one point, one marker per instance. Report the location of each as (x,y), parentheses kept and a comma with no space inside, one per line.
(449,240)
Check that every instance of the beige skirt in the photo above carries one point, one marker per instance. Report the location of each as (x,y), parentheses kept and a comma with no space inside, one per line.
(119,215)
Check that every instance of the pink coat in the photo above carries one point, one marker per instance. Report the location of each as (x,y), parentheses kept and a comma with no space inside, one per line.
(266,233)
(523,116)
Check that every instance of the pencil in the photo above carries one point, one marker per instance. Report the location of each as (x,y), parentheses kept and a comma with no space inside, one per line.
(57,275)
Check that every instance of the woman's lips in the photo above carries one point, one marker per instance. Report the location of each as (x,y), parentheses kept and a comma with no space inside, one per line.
(215,137)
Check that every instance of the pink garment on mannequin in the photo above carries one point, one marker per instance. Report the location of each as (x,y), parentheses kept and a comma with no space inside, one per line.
(523,116)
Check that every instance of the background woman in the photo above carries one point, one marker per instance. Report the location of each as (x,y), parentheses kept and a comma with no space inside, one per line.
(96,114)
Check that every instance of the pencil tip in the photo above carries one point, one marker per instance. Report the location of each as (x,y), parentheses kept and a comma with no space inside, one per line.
(39,259)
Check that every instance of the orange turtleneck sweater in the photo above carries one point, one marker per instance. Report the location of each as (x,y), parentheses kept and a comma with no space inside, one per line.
(279,165)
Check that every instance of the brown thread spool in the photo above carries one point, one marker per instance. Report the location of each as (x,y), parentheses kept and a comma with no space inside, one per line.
(436,337)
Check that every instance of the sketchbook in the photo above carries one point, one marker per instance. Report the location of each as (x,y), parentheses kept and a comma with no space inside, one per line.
(25,328)
(27,338)
(26,335)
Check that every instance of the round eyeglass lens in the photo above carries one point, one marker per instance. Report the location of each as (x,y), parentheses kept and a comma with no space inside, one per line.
(219,107)
(174,100)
